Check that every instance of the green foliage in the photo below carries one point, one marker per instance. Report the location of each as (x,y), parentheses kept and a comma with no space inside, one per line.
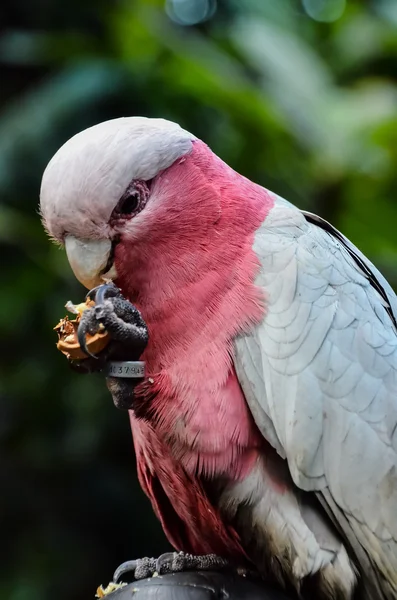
(306,108)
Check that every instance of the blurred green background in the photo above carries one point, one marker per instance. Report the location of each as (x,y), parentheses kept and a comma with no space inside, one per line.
(298,95)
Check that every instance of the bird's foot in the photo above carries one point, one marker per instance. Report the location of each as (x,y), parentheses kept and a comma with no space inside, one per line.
(113,313)
(170,562)
(129,336)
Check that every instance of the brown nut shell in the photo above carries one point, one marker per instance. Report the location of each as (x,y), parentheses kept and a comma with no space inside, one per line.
(68,342)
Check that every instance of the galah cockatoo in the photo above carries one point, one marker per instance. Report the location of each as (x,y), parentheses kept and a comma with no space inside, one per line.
(266,428)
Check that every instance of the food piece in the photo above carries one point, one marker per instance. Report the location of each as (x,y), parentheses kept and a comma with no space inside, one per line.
(66,329)
(112,587)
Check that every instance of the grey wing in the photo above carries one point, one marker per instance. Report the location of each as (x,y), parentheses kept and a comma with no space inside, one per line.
(320,376)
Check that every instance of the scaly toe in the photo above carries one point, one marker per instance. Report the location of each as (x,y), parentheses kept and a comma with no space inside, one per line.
(140,568)
(170,562)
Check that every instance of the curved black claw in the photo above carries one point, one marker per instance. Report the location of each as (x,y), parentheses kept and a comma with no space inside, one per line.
(82,330)
(141,568)
(129,566)
(101,292)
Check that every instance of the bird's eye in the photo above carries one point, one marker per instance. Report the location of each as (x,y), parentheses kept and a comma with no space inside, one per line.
(130,204)
(133,200)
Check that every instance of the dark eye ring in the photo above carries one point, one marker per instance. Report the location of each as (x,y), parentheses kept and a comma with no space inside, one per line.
(133,200)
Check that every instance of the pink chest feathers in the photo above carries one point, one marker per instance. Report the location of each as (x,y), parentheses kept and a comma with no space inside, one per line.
(207,429)
(184,444)
(180,452)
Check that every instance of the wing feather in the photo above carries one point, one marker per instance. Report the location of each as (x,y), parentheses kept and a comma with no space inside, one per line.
(320,376)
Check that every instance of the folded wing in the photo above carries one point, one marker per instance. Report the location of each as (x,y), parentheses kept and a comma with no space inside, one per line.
(320,376)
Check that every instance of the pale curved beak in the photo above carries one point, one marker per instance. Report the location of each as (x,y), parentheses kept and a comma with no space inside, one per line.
(89,259)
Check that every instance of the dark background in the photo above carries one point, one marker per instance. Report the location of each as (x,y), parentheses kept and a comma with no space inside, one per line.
(299,95)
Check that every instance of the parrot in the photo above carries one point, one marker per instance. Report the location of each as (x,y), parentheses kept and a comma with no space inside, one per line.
(265,429)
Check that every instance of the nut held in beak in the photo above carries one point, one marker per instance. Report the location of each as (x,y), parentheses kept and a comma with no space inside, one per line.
(66,329)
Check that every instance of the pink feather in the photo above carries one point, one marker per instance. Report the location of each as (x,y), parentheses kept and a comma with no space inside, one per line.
(189,267)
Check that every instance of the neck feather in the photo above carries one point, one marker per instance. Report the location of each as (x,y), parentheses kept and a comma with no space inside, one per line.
(192,271)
